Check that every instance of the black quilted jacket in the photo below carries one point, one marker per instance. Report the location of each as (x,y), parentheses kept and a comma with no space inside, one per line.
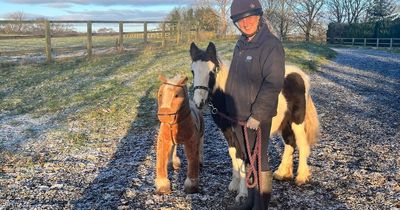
(255,77)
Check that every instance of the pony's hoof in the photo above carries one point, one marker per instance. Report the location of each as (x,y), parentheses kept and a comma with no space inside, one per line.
(234,185)
(191,186)
(163,186)
(302,180)
(176,165)
(285,177)
(241,197)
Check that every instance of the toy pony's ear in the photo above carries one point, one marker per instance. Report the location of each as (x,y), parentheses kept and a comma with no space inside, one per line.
(183,80)
(162,78)
(193,51)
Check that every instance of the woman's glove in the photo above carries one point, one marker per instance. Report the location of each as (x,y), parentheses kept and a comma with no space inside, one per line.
(252,123)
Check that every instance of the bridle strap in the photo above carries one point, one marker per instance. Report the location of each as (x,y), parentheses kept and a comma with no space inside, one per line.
(201,87)
(215,71)
(175,114)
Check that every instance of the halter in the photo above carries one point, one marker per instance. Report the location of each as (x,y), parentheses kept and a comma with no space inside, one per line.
(215,70)
(175,115)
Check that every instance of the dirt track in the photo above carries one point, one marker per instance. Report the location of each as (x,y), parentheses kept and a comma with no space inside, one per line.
(355,165)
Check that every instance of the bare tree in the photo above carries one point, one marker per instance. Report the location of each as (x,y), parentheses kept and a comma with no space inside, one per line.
(223,10)
(307,13)
(354,9)
(18,27)
(280,15)
(336,9)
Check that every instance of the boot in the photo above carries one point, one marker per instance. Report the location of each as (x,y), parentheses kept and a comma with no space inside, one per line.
(263,194)
(248,204)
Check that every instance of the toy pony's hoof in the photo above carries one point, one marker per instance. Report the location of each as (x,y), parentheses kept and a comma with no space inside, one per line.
(163,186)
(191,186)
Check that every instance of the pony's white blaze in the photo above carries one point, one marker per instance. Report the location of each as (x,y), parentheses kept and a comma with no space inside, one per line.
(201,71)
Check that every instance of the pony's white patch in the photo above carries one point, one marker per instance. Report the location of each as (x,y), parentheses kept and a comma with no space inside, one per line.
(234,184)
(201,71)
(242,191)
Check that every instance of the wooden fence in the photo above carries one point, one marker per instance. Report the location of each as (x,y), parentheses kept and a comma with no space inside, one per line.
(366,42)
(162,33)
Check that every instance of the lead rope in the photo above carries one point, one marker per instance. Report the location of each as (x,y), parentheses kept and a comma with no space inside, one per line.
(253,156)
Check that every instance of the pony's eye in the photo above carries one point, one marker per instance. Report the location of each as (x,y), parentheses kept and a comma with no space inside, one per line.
(176,96)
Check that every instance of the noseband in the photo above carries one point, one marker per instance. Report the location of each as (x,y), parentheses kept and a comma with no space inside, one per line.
(166,117)
(208,89)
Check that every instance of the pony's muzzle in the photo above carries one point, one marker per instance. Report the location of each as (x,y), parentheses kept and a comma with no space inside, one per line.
(200,105)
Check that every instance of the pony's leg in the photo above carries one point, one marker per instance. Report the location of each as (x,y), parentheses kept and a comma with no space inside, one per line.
(162,182)
(242,191)
(238,182)
(285,169)
(303,171)
(229,136)
(191,149)
(174,159)
(234,184)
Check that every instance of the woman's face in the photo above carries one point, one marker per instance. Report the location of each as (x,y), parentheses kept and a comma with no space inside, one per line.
(248,25)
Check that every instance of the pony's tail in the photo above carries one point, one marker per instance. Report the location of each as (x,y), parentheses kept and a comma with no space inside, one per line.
(311,121)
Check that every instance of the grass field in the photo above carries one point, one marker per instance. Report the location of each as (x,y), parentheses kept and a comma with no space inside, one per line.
(76,103)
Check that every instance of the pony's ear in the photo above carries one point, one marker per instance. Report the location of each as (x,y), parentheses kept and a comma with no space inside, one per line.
(193,50)
(211,50)
(183,80)
(212,53)
(162,78)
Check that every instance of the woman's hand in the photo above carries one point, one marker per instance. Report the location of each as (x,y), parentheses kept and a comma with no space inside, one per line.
(252,123)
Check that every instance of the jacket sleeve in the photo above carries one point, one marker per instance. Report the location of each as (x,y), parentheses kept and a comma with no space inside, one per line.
(273,72)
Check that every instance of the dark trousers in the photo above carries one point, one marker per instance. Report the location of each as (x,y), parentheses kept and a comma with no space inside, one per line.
(252,136)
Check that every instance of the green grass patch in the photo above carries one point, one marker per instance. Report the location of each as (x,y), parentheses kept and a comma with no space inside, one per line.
(309,56)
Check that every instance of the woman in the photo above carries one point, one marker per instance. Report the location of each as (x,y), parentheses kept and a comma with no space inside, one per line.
(255,79)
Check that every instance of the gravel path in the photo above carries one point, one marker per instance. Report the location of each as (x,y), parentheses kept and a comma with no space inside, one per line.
(355,165)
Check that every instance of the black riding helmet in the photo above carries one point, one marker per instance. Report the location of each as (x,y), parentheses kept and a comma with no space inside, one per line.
(244,8)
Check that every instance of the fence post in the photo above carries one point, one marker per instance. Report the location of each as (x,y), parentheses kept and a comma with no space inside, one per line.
(377,42)
(178,32)
(48,40)
(365,42)
(197,31)
(163,35)
(352,42)
(391,43)
(121,37)
(89,39)
(145,32)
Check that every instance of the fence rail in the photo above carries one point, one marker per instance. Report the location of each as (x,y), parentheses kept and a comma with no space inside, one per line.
(366,42)
(162,32)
